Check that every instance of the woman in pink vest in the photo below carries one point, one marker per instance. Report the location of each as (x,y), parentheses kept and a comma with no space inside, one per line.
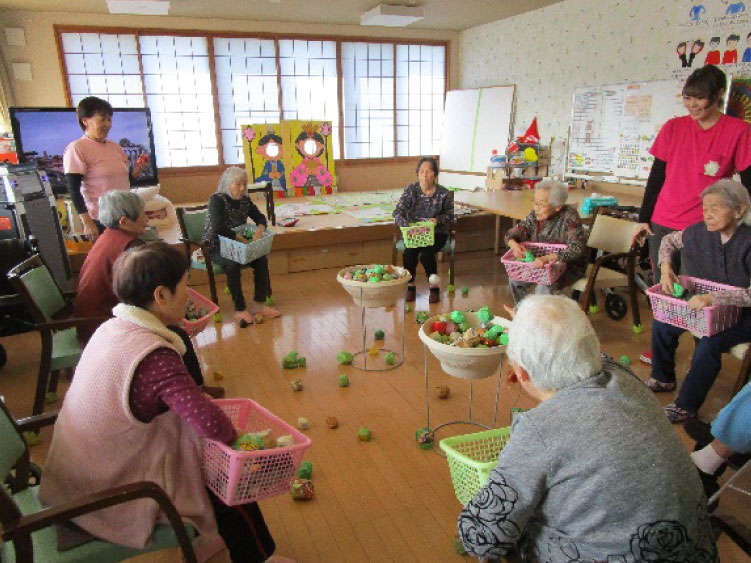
(133,413)
(93,165)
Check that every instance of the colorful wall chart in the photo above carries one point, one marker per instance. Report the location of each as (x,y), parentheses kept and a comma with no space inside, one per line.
(614,126)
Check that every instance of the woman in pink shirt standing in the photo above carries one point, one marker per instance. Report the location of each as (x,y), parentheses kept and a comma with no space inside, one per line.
(93,165)
(692,152)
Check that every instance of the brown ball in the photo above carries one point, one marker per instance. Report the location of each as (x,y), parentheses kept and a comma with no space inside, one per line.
(332,422)
(443,391)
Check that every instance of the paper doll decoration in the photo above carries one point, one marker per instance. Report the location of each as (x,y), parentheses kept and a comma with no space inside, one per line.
(311,176)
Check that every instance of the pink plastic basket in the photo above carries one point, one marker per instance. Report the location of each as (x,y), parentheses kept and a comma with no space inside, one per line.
(526,272)
(194,327)
(706,322)
(238,477)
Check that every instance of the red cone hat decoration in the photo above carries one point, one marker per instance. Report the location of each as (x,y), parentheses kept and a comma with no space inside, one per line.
(532,135)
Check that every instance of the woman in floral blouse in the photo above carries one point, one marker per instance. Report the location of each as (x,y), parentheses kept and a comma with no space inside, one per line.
(550,221)
(425,200)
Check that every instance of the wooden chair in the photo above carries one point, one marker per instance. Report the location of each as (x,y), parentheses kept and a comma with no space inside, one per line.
(192,222)
(51,311)
(266,189)
(611,237)
(29,531)
(448,248)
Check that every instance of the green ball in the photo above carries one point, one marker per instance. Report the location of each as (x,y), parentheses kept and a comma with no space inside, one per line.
(50,398)
(593,309)
(625,360)
(465,290)
(226,291)
(364,434)
(301,361)
(503,339)
(32,438)
(638,329)
(217,317)
(306,470)
(391,358)
(408,308)
(451,288)
(343,380)
(270,301)
(379,334)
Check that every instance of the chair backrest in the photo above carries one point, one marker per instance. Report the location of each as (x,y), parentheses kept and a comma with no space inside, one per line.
(33,281)
(192,222)
(611,234)
(12,446)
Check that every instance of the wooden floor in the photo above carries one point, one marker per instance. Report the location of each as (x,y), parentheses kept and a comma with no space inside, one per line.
(386,500)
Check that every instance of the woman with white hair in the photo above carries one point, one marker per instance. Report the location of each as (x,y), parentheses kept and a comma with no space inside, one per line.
(719,250)
(583,476)
(553,222)
(230,207)
(123,215)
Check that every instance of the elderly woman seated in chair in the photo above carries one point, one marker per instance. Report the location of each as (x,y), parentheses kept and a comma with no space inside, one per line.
(717,249)
(550,221)
(229,208)
(123,215)
(626,492)
(132,413)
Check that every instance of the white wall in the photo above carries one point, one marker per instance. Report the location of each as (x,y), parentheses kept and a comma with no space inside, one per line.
(549,52)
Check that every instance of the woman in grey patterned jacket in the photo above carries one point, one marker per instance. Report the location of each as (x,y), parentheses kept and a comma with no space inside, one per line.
(594,472)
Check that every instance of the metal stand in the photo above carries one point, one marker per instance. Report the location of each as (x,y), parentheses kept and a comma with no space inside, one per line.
(469,416)
(377,361)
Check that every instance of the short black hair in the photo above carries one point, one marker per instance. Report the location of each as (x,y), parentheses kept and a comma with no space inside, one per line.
(707,82)
(269,137)
(732,37)
(91,106)
(432,162)
(139,271)
(714,40)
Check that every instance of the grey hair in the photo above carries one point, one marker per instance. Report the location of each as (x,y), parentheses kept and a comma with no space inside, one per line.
(735,196)
(115,204)
(558,191)
(230,176)
(552,339)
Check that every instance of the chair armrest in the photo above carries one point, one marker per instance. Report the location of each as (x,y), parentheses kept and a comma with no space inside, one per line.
(104,499)
(615,256)
(69,323)
(34,423)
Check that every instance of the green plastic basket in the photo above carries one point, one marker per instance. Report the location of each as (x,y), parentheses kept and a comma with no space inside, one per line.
(471,458)
(419,234)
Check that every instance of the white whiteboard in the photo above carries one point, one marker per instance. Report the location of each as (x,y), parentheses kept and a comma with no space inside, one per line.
(614,126)
(475,122)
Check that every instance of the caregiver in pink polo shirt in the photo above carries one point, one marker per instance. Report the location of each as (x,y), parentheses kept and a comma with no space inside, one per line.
(93,165)
(692,152)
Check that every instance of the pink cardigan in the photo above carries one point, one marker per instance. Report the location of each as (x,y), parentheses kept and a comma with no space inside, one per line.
(98,443)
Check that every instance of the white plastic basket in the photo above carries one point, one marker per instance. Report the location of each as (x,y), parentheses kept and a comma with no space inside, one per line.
(244,253)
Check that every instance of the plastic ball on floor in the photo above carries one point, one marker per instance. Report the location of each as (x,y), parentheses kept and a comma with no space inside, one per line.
(638,329)
(625,360)
(408,308)
(343,380)
(306,470)
(302,489)
(296,384)
(594,309)
(391,358)
(364,434)
(270,301)
(443,391)
(465,290)
(32,438)
(425,438)
(227,291)
(332,422)
(451,288)
(50,398)
(379,334)
(217,317)
(218,375)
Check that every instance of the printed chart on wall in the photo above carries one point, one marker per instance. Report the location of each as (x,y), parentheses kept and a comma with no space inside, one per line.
(613,127)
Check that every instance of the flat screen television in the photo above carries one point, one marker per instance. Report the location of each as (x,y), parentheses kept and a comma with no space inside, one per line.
(41,135)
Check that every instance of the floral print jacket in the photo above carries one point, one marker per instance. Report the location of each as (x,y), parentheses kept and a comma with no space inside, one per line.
(564,227)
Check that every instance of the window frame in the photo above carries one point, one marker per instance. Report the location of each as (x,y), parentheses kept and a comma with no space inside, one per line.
(342,162)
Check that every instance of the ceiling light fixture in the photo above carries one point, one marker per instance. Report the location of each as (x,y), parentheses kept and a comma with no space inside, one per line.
(139,7)
(392,16)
